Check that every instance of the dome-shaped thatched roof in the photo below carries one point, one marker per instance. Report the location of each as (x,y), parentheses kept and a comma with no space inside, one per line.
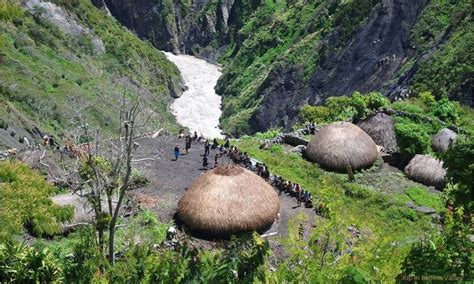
(426,170)
(228,200)
(340,144)
(443,140)
(380,128)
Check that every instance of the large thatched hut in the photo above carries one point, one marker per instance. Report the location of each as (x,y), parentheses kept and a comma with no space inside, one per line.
(443,140)
(380,128)
(426,170)
(228,200)
(340,144)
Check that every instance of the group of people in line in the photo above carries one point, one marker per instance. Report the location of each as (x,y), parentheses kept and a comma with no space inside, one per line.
(293,189)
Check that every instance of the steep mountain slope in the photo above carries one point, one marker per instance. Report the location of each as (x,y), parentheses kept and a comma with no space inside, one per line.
(280,55)
(68,63)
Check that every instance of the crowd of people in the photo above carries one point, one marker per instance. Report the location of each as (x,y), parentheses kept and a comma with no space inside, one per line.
(241,158)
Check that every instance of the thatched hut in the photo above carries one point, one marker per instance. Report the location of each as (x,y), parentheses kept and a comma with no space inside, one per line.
(340,144)
(228,200)
(380,128)
(443,140)
(426,170)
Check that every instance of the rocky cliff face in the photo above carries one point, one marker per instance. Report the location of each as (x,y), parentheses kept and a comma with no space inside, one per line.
(280,56)
(197,27)
(370,59)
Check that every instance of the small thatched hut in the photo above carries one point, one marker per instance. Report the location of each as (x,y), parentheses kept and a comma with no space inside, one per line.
(443,140)
(380,128)
(228,200)
(340,144)
(426,170)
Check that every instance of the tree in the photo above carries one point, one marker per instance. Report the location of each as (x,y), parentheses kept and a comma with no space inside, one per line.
(106,174)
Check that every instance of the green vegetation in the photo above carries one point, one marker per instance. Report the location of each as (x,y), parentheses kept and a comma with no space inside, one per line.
(424,117)
(420,196)
(53,80)
(375,209)
(281,35)
(25,199)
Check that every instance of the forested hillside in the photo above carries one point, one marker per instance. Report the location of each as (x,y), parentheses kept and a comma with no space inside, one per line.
(280,55)
(65,62)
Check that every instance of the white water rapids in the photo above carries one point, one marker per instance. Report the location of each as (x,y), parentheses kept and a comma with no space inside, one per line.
(199,107)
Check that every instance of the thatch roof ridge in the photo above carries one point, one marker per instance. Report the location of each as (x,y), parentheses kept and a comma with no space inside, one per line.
(228,200)
(426,170)
(340,144)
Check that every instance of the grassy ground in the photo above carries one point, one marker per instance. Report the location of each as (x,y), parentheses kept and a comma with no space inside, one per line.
(373,207)
(54,78)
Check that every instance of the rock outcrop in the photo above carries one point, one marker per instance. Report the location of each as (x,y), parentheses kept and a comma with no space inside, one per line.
(179,27)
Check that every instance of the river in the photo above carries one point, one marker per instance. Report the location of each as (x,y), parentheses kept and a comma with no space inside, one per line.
(199,107)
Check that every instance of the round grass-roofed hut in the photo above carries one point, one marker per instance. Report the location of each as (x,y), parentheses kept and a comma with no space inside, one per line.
(426,170)
(443,140)
(228,200)
(340,144)
(380,128)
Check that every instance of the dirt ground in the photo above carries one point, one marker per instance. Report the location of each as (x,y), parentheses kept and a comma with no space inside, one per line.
(169,179)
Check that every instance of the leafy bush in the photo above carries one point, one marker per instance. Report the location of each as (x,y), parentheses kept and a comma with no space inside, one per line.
(458,161)
(316,114)
(341,107)
(376,100)
(85,259)
(426,98)
(25,202)
(412,138)
(22,264)
(446,110)
(359,104)
(439,255)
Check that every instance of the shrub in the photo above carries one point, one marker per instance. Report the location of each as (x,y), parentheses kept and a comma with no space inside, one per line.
(446,110)
(22,264)
(359,104)
(458,161)
(412,138)
(341,107)
(25,201)
(316,114)
(426,98)
(376,100)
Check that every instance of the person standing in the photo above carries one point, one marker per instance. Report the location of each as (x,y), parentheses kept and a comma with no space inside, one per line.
(216,157)
(204,162)
(176,152)
(206,148)
(187,141)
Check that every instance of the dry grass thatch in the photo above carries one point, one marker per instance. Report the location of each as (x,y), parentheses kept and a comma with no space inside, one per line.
(341,144)
(443,140)
(380,128)
(228,200)
(426,170)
